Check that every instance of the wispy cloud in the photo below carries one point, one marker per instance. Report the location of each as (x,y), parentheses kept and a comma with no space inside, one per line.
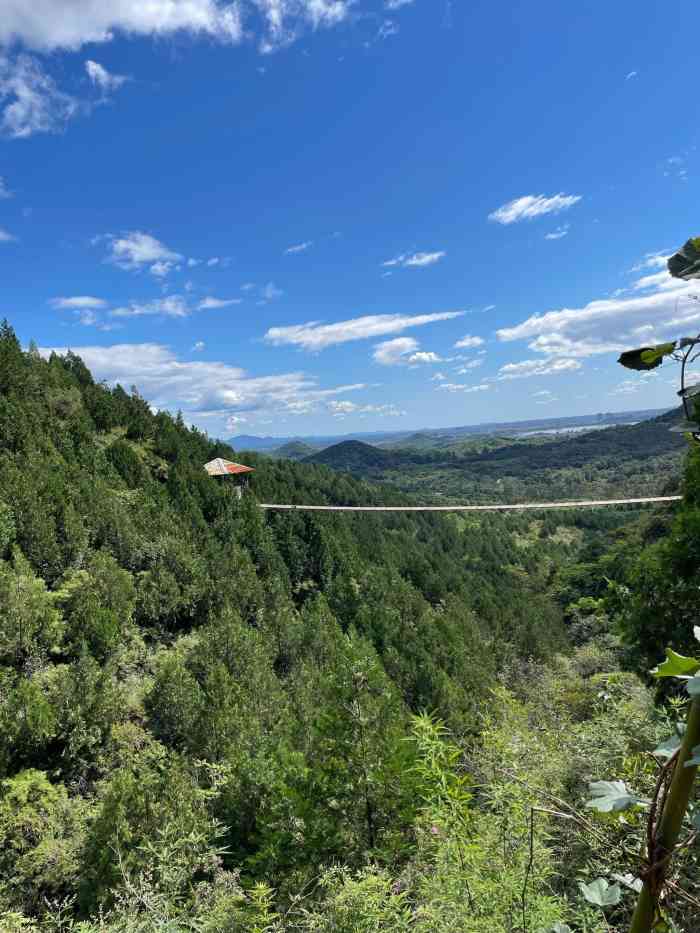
(298,248)
(316,335)
(533,205)
(544,397)
(630,75)
(396,4)
(472,364)
(170,306)
(102,78)
(651,261)
(198,347)
(6,237)
(416,260)
(341,408)
(212,304)
(392,352)
(559,233)
(462,387)
(468,342)
(4,190)
(30,100)
(528,368)
(78,302)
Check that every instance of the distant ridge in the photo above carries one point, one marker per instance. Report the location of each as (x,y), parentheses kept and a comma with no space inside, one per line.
(264,443)
(607,447)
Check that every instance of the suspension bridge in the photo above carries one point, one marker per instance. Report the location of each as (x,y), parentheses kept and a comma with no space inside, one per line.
(498,507)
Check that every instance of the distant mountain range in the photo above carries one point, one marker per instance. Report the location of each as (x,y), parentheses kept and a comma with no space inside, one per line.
(403,438)
(610,447)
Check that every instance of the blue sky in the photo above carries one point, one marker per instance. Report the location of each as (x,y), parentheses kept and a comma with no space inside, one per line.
(320,216)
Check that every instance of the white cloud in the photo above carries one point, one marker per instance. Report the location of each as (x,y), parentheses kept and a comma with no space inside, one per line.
(656,260)
(161,269)
(627,387)
(438,377)
(135,250)
(46,25)
(298,248)
(468,342)
(396,4)
(233,421)
(198,347)
(460,387)
(102,78)
(6,237)
(202,388)
(659,308)
(472,364)
(559,233)
(31,102)
(533,205)
(630,75)
(214,261)
(78,302)
(392,352)
(170,306)
(424,356)
(285,18)
(315,335)
(247,286)
(270,291)
(528,368)
(416,260)
(212,304)
(343,408)
(404,350)
(4,190)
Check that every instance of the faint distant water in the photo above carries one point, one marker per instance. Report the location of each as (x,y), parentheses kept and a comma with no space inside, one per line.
(573,430)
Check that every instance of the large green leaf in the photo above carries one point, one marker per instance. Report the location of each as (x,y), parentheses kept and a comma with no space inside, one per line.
(695,760)
(630,881)
(612,796)
(667,747)
(600,893)
(646,358)
(685,427)
(676,665)
(685,263)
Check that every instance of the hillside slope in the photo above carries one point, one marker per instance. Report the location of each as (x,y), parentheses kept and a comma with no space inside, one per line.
(214,720)
(157,632)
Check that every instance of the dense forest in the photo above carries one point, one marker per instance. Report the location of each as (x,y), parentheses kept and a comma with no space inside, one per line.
(212,719)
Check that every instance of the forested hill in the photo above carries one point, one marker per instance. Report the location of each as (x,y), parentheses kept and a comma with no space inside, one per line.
(214,720)
(356,457)
(154,625)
